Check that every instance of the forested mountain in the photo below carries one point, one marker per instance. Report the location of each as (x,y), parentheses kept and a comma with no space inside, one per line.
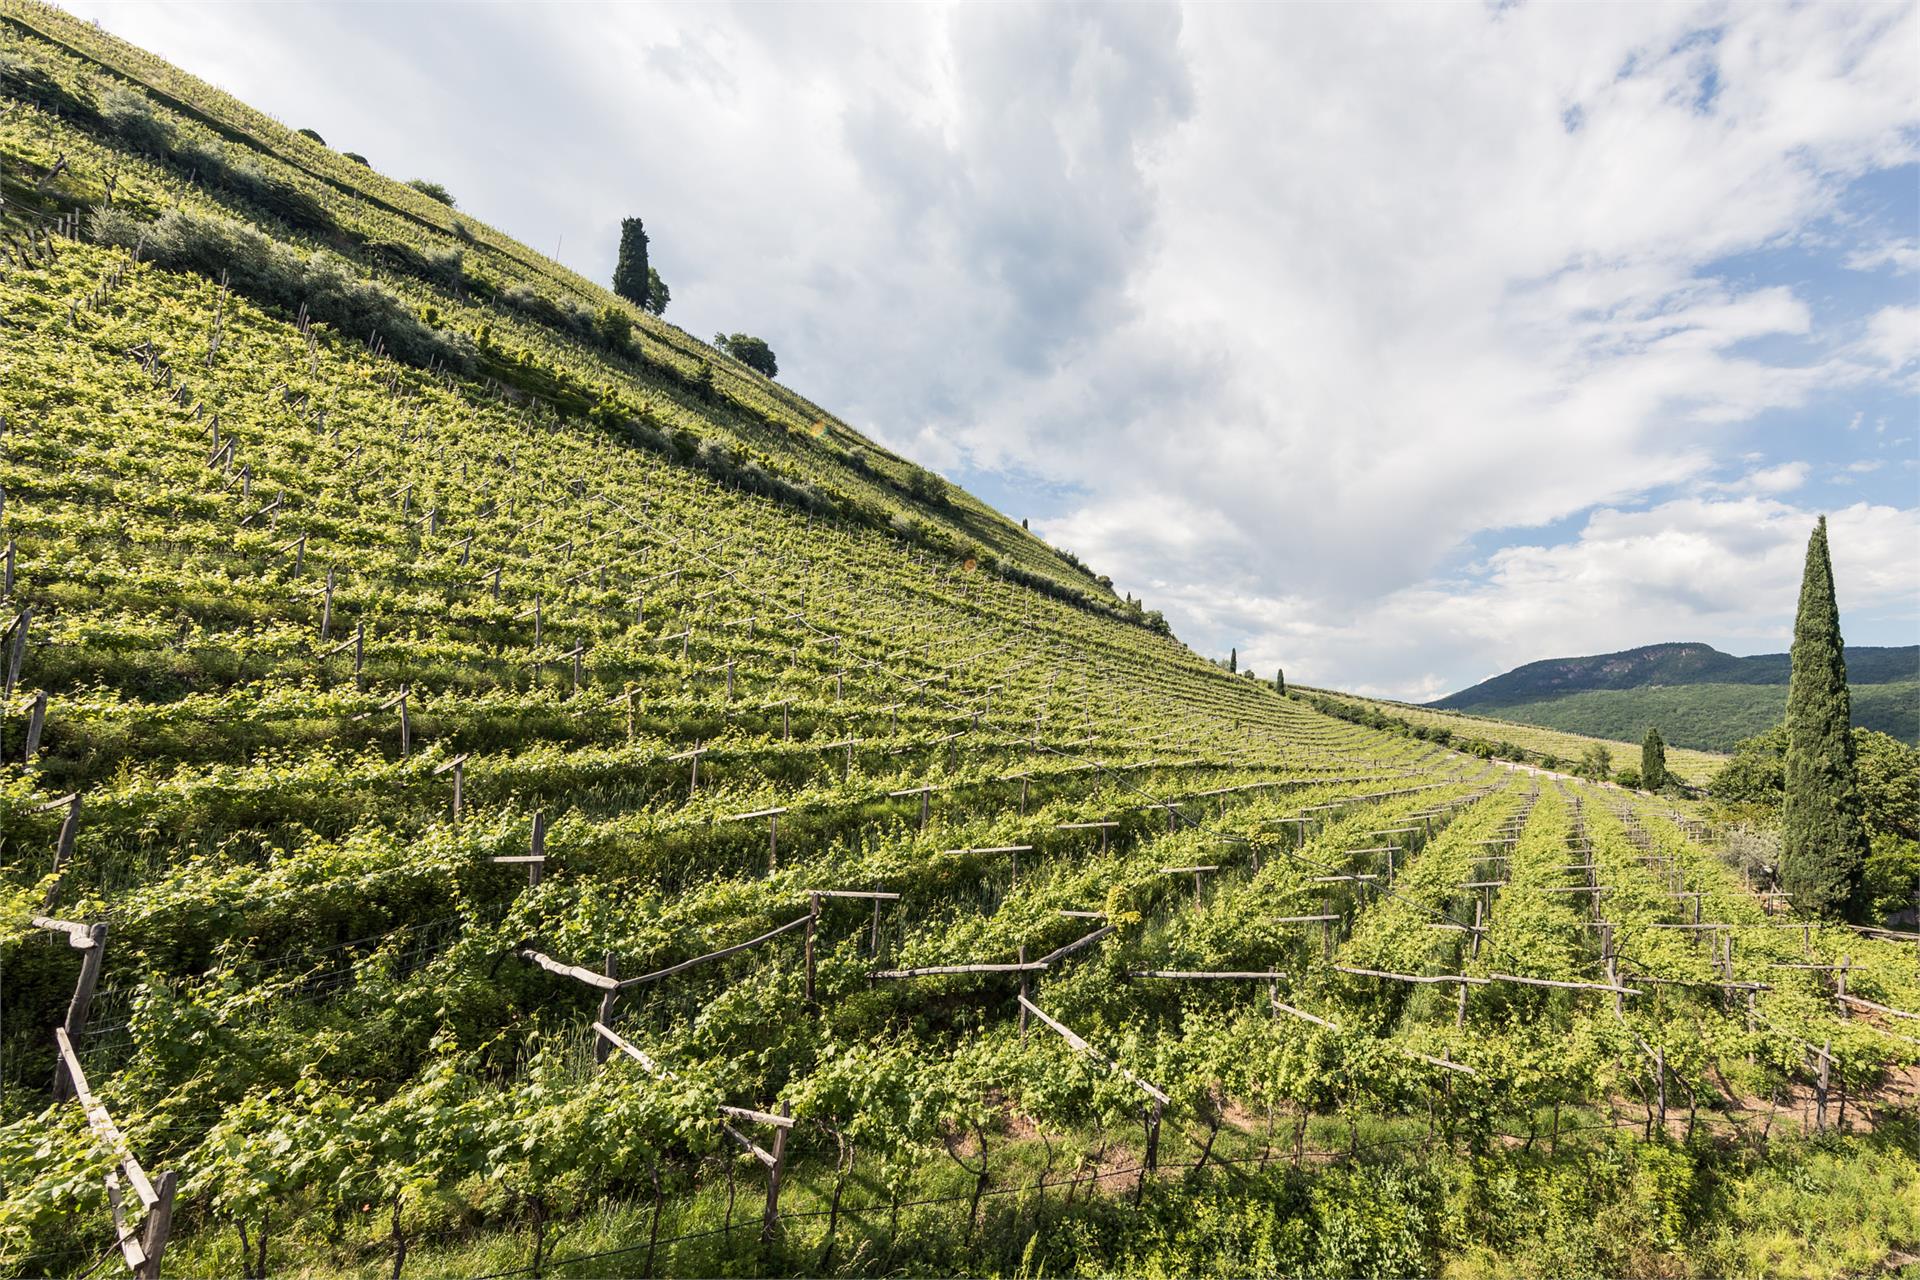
(1694,694)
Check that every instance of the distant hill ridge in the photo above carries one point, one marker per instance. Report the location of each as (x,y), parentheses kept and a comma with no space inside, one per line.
(1695,694)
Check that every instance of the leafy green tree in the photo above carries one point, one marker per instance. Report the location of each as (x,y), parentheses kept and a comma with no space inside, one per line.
(1596,762)
(658,295)
(433,191)
(632,277)
(1889,772)
(750,351)
(1824,842)
(1629,777)
(1653,761)
(1890,799)
(1756,775)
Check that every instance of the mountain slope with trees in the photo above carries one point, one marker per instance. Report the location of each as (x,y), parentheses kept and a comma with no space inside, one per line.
(1698,696)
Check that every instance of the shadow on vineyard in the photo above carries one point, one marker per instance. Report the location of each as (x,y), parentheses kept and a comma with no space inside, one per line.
(492,785)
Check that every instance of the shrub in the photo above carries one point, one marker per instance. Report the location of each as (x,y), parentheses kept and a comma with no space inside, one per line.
(613,327)
(309,133)
(433,191)
(1890,882)
(1628,777)
(112,224)
(1754,850)
(926,486)
(357,158)
(132,117)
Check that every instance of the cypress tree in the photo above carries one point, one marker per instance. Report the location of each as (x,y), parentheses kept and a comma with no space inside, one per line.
(1653,761)
(1279,681)
(1233,659)
(630,277)
(1823,843)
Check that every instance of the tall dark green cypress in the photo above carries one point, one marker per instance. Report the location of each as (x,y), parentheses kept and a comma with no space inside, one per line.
(1823,843)
(1653,761)
(1233,659)
(1279,680)
(630,279)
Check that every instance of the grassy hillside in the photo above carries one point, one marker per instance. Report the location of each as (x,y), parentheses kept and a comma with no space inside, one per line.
(1540,744)
(519,793)
(1694,694)
(1713,716)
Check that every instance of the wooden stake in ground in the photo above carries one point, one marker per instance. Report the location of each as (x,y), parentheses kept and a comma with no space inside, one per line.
(608,998)
(457,766)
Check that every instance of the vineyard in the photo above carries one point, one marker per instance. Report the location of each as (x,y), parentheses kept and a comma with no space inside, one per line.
(480,800)
(1560,749)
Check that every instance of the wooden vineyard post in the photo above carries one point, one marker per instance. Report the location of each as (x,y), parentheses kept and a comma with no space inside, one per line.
(36,722)
(771,1221)
(76,1020)
(158,1226)
(457,766)
(813,926)
(1154,1110)
(1820,1087)
(326,608)
(537,848)
(925,794)
(1026,990)
(693,775)
(608,998)
(18,652)
(63,845)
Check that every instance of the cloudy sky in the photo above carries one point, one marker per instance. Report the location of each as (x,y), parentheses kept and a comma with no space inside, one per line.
(1397,345)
